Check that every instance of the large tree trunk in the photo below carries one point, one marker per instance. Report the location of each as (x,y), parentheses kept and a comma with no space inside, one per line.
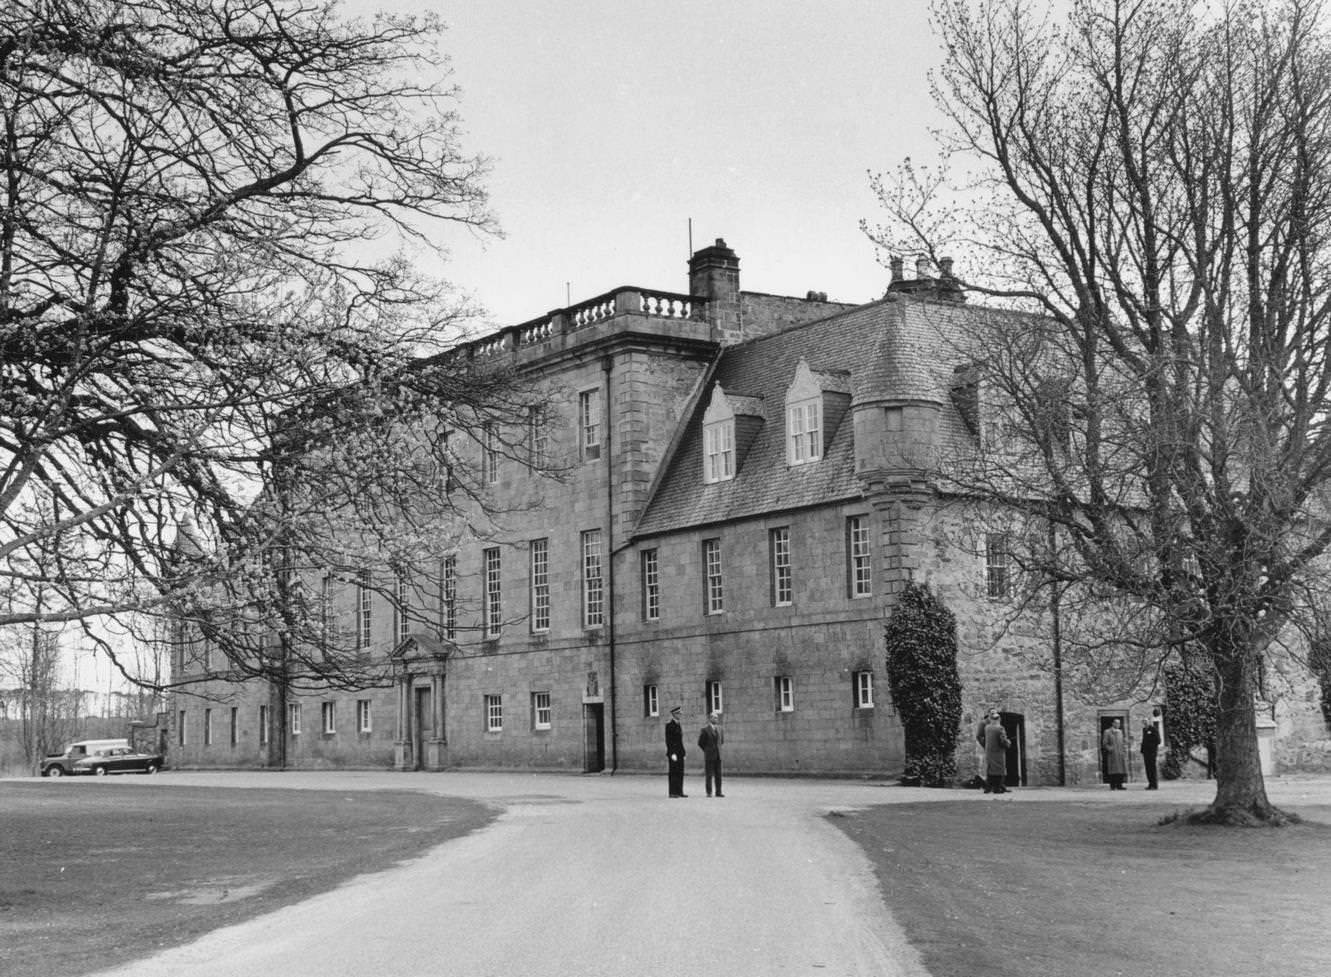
(1240,789)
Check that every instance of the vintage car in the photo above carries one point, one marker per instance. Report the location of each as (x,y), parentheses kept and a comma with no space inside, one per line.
(60,764)
(118,759)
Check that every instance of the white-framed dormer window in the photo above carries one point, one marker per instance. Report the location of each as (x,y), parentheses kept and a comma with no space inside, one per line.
(718,434)
(804,417)
(719,446)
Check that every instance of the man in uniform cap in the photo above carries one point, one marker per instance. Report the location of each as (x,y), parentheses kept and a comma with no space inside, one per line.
(674,736)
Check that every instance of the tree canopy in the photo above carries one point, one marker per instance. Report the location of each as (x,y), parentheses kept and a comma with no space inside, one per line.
(1148,183)
(196,304)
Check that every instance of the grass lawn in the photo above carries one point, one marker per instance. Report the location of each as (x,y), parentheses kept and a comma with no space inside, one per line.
(997,888)
(96,872)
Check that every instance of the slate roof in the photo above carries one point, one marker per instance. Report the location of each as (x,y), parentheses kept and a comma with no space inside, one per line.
(891,350)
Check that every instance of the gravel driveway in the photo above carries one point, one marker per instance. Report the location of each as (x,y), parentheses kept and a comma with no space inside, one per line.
(584,876)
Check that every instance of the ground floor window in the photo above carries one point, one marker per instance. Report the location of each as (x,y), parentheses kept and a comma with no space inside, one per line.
(715,701)
(329,720)
(293,717)
(235,726)
(540,710)
(263,725)
(651,701)
(494,713)
(785,693)
(363,715)
(180,727)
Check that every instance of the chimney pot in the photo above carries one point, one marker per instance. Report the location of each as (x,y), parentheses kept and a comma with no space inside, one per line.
(945,266)
(921,267)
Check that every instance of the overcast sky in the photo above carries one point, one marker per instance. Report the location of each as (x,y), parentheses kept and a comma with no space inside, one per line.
(611,123)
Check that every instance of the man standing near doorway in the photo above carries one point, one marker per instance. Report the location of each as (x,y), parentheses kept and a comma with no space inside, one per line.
(1116,755)
(710,739)
(1150,748)
(674,736)
(996,744)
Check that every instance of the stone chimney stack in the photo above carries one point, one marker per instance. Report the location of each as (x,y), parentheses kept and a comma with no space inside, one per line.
(921,267)
(897,265)
(714,275)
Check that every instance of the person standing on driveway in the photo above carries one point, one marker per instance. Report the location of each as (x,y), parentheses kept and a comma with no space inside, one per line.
(1116,756)
(995,756)
(674,733)
(1150,748)
(710,739)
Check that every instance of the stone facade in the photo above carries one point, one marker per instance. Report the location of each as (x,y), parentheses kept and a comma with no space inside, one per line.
(741,565)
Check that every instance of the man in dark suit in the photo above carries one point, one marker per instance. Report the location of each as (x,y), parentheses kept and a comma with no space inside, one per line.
(710,739)
(675,754)
(1150,748)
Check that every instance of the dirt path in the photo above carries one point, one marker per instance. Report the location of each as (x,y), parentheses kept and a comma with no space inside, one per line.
(593,876)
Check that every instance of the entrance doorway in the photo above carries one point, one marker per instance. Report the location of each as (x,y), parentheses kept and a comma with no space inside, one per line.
(593,728)
(422,724)
(1014,725)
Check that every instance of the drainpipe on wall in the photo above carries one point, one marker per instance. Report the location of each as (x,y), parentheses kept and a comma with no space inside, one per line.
(1054,607)
(606,364)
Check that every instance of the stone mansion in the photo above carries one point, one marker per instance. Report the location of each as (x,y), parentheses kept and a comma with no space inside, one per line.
(746,502)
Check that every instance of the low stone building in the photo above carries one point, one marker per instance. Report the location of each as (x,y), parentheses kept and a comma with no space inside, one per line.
(748,491)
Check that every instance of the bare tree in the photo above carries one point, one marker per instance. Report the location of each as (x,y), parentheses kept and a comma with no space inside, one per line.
(1152,185)
(188,318)
(47,715)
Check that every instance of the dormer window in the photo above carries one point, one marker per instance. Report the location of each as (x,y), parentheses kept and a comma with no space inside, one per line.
(804,432)
(720,450)
(718,435)
(804,417)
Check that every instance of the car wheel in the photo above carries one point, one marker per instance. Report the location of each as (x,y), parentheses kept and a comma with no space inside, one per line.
(152,768)
(55,771)
(99,771)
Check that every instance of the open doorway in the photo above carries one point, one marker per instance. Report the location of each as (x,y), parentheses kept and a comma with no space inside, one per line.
(593,727)
(422,724)
(1014,725)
